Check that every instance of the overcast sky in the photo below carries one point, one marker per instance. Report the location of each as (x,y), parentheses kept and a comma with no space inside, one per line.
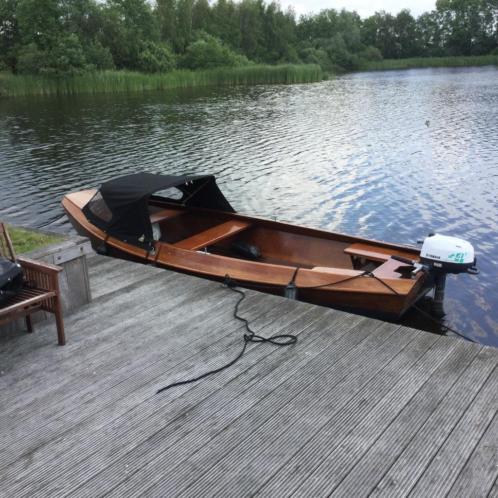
(363,7)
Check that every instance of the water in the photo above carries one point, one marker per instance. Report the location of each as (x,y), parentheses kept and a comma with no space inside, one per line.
(386,155)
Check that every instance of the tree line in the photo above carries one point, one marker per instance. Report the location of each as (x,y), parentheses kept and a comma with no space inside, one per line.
(73,36)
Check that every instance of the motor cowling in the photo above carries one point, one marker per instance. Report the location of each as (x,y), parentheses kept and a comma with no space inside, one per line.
(445,254)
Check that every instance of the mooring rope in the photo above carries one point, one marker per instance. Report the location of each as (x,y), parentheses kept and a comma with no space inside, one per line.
(249,336)
(290,339)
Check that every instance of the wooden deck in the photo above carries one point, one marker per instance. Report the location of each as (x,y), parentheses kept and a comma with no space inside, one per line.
(358,407)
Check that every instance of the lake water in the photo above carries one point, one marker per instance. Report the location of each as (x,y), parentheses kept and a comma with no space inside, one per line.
(386,155)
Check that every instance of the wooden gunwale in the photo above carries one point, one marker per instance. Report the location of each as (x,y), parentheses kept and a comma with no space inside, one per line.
(254,273)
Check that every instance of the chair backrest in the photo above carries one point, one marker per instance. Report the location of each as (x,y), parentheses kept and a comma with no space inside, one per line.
(6,247)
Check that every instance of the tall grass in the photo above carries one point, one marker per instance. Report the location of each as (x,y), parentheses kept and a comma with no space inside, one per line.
(128,81)
(418,62)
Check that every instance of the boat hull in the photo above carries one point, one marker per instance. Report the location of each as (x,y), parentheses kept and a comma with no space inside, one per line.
(347,290)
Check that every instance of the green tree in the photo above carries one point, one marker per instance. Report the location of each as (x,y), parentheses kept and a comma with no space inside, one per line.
(166,15)
(98,56)
(225,22)
(379,31)
(40,22)
(430,34)
(468,25)
(184,33)
(201,15)
(407,34)
(9,33)
(279,35)
(127,25)
(251,13)
(66,57)
(155,58)
(70,36)
(208,52)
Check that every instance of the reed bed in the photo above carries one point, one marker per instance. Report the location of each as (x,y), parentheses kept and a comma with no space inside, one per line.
(420,62)
(129,81)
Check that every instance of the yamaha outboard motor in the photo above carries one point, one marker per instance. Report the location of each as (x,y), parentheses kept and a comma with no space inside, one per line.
(441,254)
(11,280)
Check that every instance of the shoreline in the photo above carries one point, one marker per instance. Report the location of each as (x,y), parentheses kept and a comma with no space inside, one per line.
(130,81)
(123,81)
(430,62)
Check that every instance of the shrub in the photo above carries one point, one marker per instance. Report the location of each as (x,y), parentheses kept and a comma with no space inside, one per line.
(370,54)
(208,52)
(30,59)
(98,56)
(67,57)
(155,58)
(340,55)
(316,56)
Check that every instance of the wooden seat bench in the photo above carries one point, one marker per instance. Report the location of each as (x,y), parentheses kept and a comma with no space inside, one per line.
(156,216)
(376,253)
(213,235)
(368,252)
(40,291)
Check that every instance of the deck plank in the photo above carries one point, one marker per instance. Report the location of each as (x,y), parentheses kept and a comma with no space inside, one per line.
(481,470)
(444,468)
(323,386)
(237,398)
(123,404)
(411,463)
(356,407)
(363,477)
(124,376)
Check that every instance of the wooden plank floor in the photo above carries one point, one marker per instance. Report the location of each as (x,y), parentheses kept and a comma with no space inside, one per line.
(358,407)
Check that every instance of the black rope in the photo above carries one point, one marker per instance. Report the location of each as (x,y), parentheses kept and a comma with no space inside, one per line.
(289,339)
(426,314)
(249,336)
(337,282)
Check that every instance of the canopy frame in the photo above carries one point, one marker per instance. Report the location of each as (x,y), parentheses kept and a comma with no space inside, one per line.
(120,206)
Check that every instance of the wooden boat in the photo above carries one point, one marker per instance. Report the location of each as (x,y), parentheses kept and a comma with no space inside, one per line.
(135,217)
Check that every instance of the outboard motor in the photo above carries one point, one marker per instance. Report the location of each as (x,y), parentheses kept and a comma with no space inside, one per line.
(440,255)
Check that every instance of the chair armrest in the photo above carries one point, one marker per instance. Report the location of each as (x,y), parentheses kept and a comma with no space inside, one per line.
(40,266)
(40,275)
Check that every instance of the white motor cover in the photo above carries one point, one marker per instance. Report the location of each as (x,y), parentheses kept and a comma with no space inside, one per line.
(445,249)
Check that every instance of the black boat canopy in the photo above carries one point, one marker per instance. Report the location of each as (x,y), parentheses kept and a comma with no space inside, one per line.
(120,207)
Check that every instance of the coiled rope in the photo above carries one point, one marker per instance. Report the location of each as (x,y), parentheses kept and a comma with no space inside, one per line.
(289,339)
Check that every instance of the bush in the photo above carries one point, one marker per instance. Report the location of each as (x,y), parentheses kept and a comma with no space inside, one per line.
(208,52)
(370,54)
(30,59)
(98,56)
(67,57)
(340,55)
(316,56)
(155,58)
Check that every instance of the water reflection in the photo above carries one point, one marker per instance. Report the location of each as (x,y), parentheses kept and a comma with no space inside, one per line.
(389,155)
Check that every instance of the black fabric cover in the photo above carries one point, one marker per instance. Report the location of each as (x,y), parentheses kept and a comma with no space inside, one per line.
(120,207)
(11,280)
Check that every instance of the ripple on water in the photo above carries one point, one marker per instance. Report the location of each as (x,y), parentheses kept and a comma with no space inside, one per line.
(388,155)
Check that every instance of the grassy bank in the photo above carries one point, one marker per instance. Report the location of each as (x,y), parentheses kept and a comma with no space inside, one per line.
(420,62)
(128,81)
(29,240)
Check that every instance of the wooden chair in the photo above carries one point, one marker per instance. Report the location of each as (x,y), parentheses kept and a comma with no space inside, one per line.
(40,291)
